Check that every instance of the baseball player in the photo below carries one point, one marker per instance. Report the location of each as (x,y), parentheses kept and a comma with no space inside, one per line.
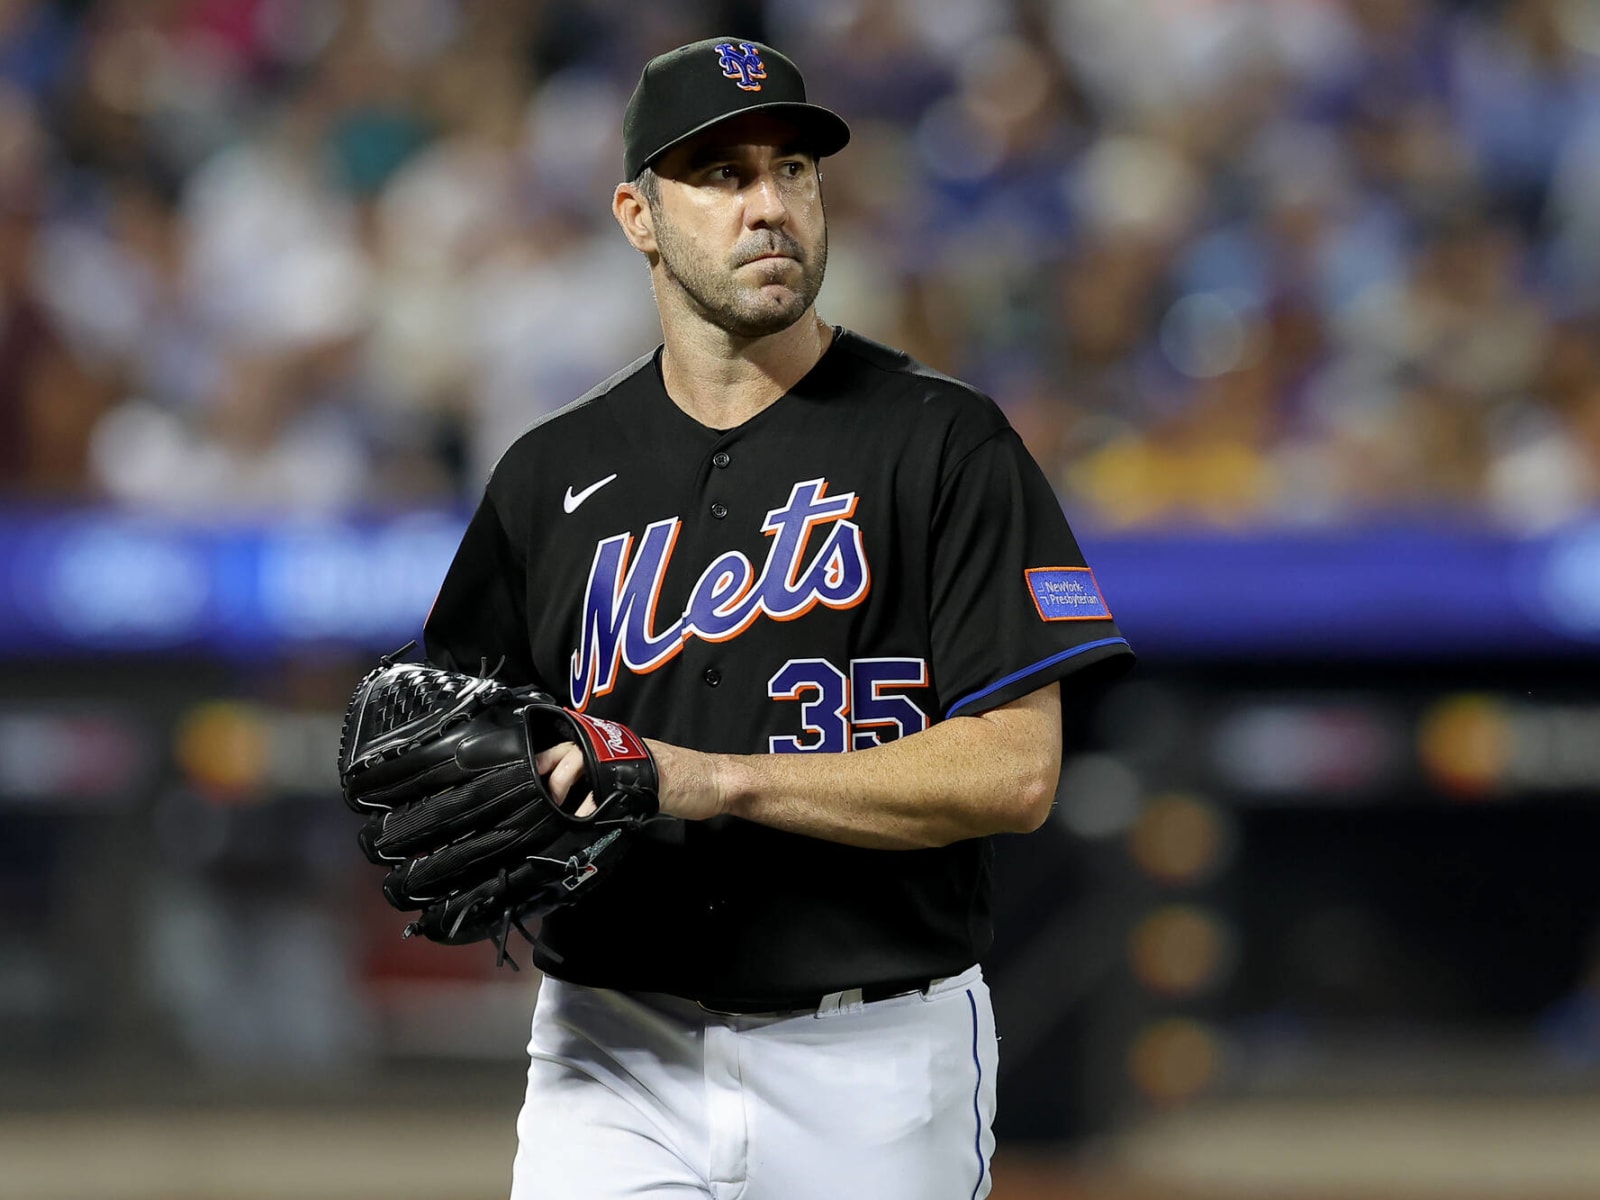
(836,596)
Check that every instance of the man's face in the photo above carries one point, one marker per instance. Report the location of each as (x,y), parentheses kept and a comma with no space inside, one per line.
(739,225)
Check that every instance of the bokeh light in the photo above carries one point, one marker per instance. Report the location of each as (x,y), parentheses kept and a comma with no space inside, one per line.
(1175,1060)
(1181,840)
(1465,743)
(1181,951)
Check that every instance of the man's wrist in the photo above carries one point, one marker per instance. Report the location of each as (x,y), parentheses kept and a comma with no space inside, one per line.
(694,785)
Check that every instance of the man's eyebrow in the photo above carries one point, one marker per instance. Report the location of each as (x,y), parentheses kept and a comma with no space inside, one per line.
(703,156)
(717,152)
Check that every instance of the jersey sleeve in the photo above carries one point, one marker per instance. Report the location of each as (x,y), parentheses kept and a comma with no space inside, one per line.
(1014,606)
(480,613)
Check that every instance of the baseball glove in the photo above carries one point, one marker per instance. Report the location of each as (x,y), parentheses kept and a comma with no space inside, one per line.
(442,766)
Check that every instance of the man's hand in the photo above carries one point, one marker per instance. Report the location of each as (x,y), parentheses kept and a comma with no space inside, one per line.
(690,784)
(561,767)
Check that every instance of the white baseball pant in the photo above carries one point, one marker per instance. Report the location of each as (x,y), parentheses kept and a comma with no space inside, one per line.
(634,1095)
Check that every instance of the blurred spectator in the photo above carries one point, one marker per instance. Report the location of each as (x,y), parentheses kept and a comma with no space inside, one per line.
(35,45)
(1309,261)
(48,400)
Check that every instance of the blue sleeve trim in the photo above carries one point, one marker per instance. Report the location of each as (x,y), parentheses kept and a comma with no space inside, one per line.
(1033,669)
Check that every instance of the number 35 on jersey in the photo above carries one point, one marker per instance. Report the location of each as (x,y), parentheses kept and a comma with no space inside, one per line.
(851,709)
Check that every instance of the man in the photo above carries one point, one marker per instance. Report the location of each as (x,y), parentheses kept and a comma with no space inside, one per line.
(767,544)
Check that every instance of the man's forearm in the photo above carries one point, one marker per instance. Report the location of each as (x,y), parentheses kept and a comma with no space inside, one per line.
(965,777)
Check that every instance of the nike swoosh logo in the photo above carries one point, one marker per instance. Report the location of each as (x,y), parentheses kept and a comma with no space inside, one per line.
(570,503)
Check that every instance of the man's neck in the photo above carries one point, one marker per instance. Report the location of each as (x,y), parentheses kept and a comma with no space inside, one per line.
(722,381)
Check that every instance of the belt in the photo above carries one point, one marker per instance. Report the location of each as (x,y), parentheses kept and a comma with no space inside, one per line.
(867,993)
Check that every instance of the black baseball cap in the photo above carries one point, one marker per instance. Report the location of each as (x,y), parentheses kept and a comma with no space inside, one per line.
(693,87)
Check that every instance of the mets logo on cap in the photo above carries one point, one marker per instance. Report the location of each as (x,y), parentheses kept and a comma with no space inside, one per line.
(742,64)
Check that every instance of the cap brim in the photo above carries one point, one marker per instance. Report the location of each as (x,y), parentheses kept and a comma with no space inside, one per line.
(822,129)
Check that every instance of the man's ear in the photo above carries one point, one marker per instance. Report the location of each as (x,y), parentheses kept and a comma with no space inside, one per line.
(632,212)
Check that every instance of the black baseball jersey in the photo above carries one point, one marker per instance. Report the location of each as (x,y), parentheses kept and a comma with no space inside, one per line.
(872,553)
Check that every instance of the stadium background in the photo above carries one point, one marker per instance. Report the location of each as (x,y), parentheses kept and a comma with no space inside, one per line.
(1297,301)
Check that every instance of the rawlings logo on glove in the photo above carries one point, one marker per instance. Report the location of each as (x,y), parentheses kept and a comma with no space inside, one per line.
(442,766)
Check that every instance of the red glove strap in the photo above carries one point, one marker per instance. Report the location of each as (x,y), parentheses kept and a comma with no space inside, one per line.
(610,741)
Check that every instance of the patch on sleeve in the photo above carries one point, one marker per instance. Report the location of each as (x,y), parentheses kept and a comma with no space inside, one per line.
(1066,594)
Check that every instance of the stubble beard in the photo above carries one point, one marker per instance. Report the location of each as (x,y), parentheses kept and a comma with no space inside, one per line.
(734,307)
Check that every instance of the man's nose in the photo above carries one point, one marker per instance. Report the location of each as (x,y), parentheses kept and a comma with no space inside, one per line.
(764,203)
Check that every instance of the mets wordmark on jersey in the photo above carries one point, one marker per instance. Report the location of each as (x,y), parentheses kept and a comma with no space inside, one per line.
(619,603)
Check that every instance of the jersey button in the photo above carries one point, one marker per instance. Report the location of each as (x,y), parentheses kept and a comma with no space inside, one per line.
(719,509)
(712,677)
(721,459)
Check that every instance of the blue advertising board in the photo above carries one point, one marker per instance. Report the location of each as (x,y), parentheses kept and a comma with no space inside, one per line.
(87,581)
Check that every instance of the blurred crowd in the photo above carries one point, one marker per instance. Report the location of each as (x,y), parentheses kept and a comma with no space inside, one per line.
(1223,262)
